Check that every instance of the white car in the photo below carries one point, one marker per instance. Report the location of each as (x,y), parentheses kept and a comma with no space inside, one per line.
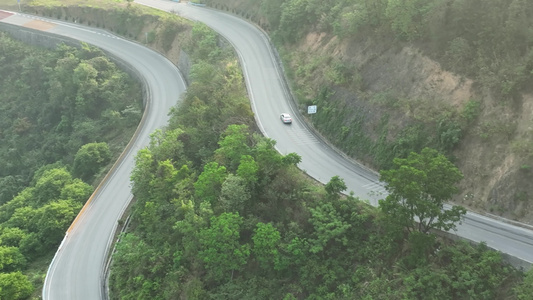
(285,118)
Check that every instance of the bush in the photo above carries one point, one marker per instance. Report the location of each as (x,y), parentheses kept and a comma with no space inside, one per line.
(89,159)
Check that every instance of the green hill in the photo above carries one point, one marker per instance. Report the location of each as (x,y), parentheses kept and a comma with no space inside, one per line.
(219,214)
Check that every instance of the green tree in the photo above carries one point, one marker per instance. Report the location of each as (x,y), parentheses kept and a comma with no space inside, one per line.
(53,219)
(517,24)
(11,259)
(84,77)
(232,146)
(163,184)
(23,218)
(267,158)
(272,11)
(209,183)
(10,186)
(49,185)
(334,187)
(426,283)
(188,230)
(402,15)
(374,10)
(11,236)
(166,145)
(204,43)
(525,289)
(14,286)
(132,262)
(294,20)
(292,159)
(266,240)
(31,246)
(221,250)
(418,188)
(247,170)
(76,190)
(90,158)
(234,194)
(329,226)
(24,198)
(143,174)
(296,251)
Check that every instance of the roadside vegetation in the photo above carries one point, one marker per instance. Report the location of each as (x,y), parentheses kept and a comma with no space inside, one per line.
(66,116)
(489,42)
(119,16)
(219,214)
(394,76)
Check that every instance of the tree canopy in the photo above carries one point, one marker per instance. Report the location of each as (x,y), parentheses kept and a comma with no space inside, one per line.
(90,158)
(54,103)
(418,188)
(223,215)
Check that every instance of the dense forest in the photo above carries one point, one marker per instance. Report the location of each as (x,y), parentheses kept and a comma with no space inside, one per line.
(66,115)
(220,214)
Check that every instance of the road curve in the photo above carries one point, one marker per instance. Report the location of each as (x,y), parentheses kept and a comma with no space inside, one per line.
(270,97)
(77,268)
(76,272)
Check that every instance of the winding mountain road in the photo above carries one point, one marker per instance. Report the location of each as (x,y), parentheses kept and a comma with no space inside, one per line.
(77,269)
(270,97)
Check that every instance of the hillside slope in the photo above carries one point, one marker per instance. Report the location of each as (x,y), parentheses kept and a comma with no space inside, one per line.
(387,84)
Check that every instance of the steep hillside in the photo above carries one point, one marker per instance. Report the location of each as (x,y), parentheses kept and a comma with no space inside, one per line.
(452,75)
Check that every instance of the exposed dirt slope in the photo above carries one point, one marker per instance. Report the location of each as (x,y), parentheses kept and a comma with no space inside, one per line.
(494,153)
